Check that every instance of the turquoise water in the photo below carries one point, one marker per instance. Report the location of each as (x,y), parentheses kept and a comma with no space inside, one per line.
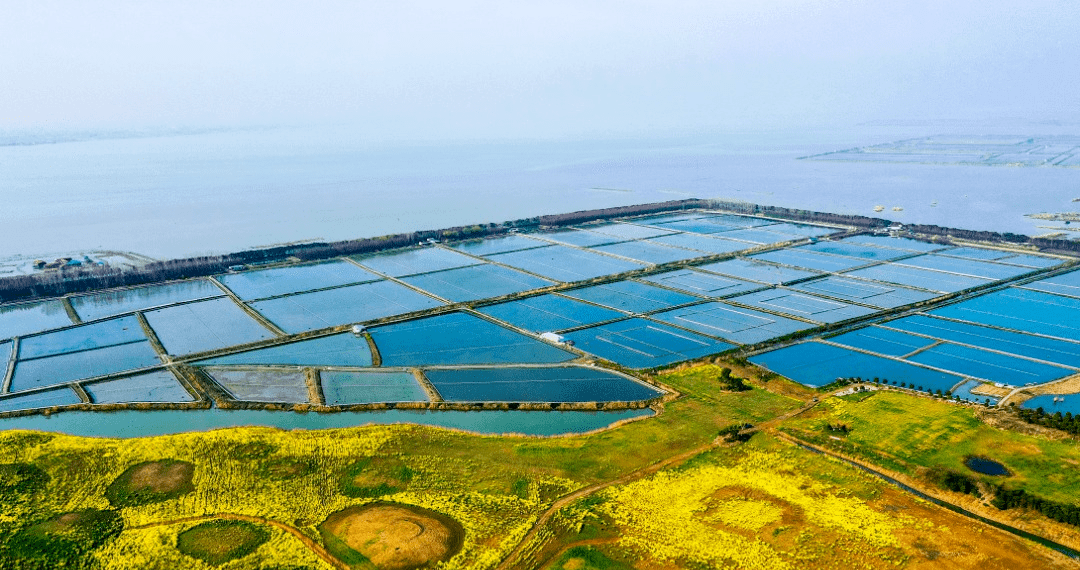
(342,387)
(132,423)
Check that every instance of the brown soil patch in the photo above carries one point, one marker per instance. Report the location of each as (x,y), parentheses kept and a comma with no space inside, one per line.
(160,477)
(1068,385)
(985,389)
(396,537)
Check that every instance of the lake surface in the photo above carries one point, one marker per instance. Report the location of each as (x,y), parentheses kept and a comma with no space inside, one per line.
(132,423)
(223,191)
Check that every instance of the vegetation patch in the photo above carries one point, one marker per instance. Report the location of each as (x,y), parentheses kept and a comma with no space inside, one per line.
(374,477)
(282,468)
(217,542)
(151,482)
(60,541)
(587,558)
(20,480)
(392,536)
(251,451)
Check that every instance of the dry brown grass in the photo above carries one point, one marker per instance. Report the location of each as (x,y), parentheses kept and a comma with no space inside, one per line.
(986,389)
(396,537)
(160,477)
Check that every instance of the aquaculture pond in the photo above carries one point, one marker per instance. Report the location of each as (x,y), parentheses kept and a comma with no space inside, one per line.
(533,384)
(808,307)
(987,365)
(649,252)
(632,296)
(157,386)
(858,291)
(342,306)
(137,423)
(499,245)
(736,324)
(1067,284)
(343,349)
(883,341)
(412,261)
(628,231)
(1053,403)
(701,283)
(580,238)
(249,285)
(916,277)
(1020,309)
(707,245)
(205,325)
(757,271)
(476,282)
(971,267)
(120,301)
(27,318)
(42,399)
(799,257)
(703,225)
(1040,347)
(641,343)
(460,338)
(816,364)
(547,313)
(566,264)
(907,244)
(343,387)
(760,236)
(860,251)
(963,391)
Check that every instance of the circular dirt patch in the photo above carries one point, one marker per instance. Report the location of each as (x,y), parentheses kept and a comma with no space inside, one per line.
(392,536)
(151,482)
(217,542)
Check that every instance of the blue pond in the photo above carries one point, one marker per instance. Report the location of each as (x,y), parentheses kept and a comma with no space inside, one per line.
(476,282)
(761,236)
(703,243)
(649,252)
(1042,348)
(855,250)
(988,365)
(547,313)
(566,264)
(883,341)
(736,324)
(817,364)
(756,271)
(963,391)
(498,245)
(985,466)
(459,338)
(701,283)
(809,307)
(800,257)
(282,280)
(157,386)
(26,318)
(205,325)
(895,243)
(95,335)
(580,238)
(71,366)
(916,277)
(640,343)
(631,296)
(117,302)
(703,225)
(530,384)
(43,399)
(342,306)
(1067,284)
(627,231)
(336,350)
(1022,310)
(132,423)
(1068,403)
(412,261)
(877,295)
(970,267)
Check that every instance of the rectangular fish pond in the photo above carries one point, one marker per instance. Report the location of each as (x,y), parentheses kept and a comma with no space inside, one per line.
(641,343)
(632,296)
(119,301)
(157,386)
(548,313)
(413,261)
(344,349)
(808,307)
(205,325)
(701,283)
(536,384)
(249,285)
(262,384)
(916,277)
(344,387)
(20,319)
(566,264)
(476,282)
(816,364)
(874,294)
(1067,284)
(1049,349)
(1020,309)
(736,324)
(751,270)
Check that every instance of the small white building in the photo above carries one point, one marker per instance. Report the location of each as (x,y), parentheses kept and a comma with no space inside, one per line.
(552,337)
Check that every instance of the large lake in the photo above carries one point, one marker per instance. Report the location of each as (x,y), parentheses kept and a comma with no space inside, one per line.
(217,192)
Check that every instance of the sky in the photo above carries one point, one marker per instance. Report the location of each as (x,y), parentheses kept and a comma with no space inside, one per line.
(473,69)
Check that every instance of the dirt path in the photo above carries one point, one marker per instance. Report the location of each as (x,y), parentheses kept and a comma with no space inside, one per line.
(315,547)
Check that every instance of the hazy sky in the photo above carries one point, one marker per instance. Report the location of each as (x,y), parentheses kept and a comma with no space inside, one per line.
(504,68)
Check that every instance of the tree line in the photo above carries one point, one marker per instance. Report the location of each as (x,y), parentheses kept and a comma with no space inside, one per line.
(1065,422)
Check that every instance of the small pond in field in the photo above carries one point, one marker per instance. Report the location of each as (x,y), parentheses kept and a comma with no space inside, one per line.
(985,466)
